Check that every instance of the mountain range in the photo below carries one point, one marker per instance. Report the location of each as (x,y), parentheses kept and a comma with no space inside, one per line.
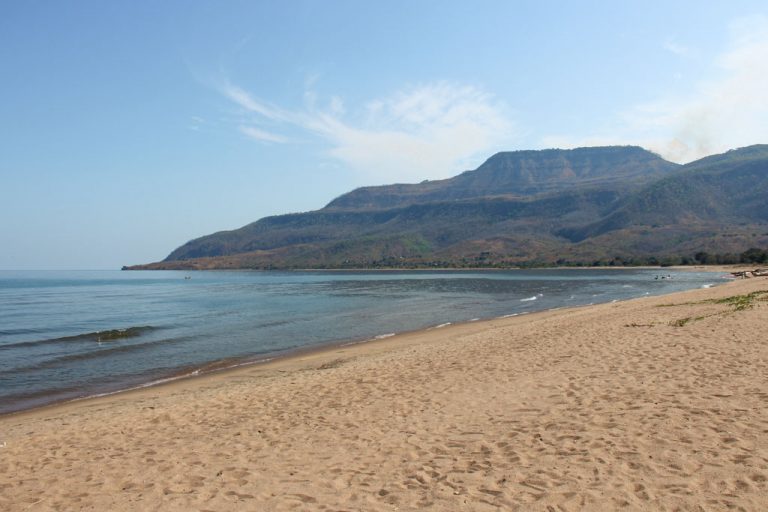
(592,205)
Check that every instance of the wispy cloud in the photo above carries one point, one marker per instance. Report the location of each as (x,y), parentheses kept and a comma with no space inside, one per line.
(730,109)
(262,135)
(249,103)
(428,131)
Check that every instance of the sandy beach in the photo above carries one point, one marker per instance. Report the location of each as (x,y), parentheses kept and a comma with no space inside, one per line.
(652,404)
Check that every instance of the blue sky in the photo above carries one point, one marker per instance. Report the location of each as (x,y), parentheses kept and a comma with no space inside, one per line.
(128,128)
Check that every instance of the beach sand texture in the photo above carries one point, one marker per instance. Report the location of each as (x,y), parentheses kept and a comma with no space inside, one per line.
(625,406)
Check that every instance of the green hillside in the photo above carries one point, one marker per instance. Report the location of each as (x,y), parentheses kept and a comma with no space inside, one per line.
(551,206)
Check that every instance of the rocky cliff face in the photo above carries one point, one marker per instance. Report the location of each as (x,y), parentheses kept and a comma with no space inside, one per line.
(522,173)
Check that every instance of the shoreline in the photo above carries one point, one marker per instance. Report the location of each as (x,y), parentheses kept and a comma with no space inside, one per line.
(288,358)
(222,366)
(713,268)
(651,403)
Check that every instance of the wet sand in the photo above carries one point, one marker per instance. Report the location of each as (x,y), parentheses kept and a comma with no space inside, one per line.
(658,403)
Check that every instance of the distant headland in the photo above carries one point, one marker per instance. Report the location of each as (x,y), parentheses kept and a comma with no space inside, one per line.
(615,205)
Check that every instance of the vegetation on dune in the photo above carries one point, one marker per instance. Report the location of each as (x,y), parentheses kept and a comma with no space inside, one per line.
(735,303)
(742,302)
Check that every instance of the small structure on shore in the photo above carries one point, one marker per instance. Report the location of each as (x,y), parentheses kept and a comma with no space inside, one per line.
(745,274)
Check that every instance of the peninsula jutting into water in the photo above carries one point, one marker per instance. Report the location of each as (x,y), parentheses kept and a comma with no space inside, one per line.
(617,205)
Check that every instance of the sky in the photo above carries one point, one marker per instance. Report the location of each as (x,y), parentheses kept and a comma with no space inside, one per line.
(129,128)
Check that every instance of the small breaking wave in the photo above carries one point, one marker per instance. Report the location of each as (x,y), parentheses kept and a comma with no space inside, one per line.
(97,353)
(97,336)
(377,337)
(529,299)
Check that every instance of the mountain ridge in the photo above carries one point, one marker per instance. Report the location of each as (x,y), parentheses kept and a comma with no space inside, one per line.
(521,173)
(583,204)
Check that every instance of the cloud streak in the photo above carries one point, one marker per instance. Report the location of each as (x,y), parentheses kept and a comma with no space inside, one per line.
(730,109)
(247,102)
(262,135)
(429,131)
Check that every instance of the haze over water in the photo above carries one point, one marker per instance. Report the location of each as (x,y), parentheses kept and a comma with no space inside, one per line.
(70,334)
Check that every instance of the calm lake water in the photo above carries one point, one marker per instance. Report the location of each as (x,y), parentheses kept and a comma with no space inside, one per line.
(65,335)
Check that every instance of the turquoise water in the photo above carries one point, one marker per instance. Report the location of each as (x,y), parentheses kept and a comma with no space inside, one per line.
(65,335)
